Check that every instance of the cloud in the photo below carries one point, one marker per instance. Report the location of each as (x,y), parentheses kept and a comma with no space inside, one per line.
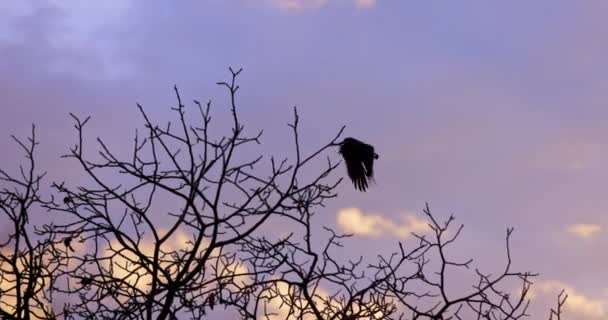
(133,274)
(577,153)
(298,5)
(284,301)
(302,5)
(95,26)
(365,4)
(8,288)
(23,264)
(78,34)
(584,230)
(577,304)
(353,220)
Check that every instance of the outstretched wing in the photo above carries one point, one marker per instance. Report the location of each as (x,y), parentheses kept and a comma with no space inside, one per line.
(356,172)
(351,152)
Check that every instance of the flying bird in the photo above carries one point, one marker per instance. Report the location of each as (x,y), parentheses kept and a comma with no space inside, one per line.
(359,157)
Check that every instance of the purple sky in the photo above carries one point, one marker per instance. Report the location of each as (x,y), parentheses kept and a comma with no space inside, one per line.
(492,111)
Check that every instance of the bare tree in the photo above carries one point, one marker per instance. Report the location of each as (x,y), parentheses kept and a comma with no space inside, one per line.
(406,285)
(25,267)
(556,314)
(428,295)
(133,269)
(183,225)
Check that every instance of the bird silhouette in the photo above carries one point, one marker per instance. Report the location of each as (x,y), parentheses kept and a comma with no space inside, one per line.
(211,300)
(86,281)
(67,242)
(359,157)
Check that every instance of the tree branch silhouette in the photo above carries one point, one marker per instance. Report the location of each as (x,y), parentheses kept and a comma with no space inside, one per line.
(184,225)
(25,270)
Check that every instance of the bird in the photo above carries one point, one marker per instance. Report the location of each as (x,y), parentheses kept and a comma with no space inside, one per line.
(86,281)
(67,242)
(211,300)
(359,157)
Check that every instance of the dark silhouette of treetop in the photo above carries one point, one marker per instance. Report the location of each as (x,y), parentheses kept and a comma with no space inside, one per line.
(184,227)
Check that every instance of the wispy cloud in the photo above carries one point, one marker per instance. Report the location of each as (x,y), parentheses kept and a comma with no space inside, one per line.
(353,220)
(584,230)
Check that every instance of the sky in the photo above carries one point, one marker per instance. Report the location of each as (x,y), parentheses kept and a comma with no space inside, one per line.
(492,111)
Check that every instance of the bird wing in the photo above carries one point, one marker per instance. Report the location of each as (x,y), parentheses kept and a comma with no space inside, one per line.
(356,171)
(367,156)
(211,300)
